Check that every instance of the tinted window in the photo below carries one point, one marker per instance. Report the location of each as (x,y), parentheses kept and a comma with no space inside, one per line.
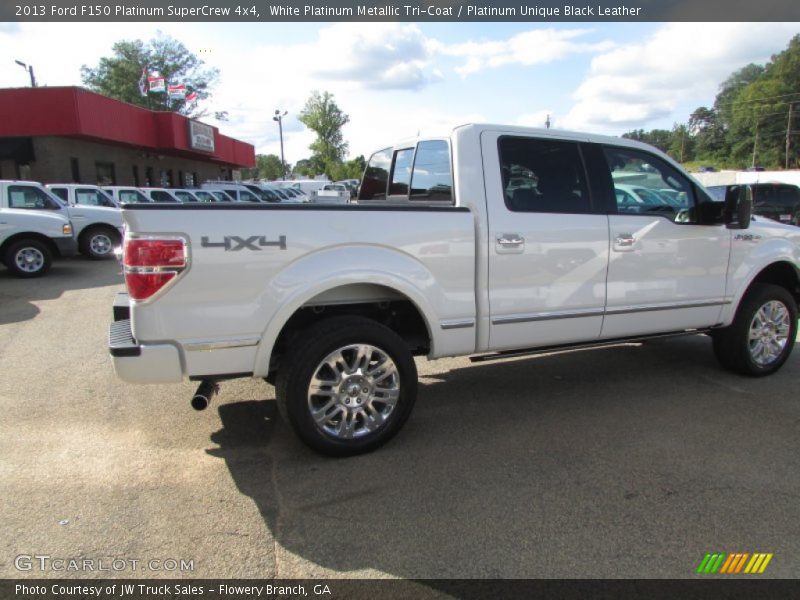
(185,196)
(432,178)
(159,196)
(245,196)
(23,196)
(376,176)
(781,196)
(401,173)
(645,184)
(543,176)
(128,196)
(60,192)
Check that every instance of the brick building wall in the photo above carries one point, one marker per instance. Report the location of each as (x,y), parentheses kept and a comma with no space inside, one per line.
(63,160)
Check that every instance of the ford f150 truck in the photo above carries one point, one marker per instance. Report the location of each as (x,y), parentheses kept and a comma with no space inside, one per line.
(95,215)
(495,241)
(30,239)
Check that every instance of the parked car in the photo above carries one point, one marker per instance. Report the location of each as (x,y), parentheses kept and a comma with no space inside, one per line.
(333,305)
(94,215)
(237,191)
(160,194)
(350,184)
(125,194)
(777,201)
(333,193)
(83,194)
(185,195)
(211,196)
(33,229)
(264,193)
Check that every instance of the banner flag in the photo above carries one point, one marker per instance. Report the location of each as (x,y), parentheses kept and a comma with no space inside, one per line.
(156,83)
(143,82)
(176,92)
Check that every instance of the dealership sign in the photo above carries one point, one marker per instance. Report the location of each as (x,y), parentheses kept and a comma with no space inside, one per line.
(201,136)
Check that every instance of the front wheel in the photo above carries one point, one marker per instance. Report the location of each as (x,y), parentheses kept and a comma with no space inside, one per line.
(762,334)
(98,243)
(28,258)
(347,385)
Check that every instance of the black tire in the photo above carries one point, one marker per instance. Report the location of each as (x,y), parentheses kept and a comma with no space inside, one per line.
(732,345)
(28,258)
(304,359)
(97,243)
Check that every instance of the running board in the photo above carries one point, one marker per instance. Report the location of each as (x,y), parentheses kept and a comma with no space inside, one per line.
(582,345)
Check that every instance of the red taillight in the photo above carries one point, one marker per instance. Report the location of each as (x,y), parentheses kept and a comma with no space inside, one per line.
(154,253)
(150,264)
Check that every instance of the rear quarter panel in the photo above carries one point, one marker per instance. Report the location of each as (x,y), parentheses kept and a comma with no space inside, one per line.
(426,255)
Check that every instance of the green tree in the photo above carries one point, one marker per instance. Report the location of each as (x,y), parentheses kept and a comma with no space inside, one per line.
(323,116)
(681,146)
(118,76)
(660,138)
(351,169)
(708,134)
(269,167)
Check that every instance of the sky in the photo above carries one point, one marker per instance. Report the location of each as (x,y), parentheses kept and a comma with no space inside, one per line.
(400,80)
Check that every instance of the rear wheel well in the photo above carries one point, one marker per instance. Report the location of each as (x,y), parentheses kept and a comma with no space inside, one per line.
(782,274)
(29,235)
(399,314)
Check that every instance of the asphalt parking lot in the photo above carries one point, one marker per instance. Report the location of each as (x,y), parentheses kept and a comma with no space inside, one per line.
(631,462)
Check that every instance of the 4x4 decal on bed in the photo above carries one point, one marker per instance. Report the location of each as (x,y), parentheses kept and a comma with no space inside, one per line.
(235,243)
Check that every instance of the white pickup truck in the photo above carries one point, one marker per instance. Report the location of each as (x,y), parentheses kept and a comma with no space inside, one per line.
(93,213)
(332,193)
(30,239)
(496,241)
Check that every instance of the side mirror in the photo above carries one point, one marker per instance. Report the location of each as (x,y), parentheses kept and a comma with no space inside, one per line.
(738,206)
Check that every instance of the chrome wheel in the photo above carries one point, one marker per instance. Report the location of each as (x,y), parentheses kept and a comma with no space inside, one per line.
(769,331)
(29,259)
(101,244)
(353,391)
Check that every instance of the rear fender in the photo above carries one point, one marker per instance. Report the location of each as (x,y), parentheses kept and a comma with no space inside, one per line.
(314,274)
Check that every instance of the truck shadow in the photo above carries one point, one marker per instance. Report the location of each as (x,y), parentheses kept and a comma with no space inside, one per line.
(514,469)
(18,296)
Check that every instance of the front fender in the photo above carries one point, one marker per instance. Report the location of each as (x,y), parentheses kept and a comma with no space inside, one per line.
(748,261)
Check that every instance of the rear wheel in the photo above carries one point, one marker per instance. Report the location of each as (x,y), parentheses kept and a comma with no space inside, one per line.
(347,385)
(28,258)
(98,243)
(762,334)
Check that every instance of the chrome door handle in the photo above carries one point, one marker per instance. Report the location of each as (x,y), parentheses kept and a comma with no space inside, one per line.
(625,240)
(511,240)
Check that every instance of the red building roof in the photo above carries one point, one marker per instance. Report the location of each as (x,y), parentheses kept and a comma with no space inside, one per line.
(78,113)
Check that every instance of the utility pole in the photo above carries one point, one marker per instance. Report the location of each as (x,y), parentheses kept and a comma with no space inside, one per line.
(547,122)
(29,69)
(279,118)
(788,133)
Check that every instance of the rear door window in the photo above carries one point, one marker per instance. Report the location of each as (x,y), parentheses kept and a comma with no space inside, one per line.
(401,172)
(432,177)
(376,176)
(541,175)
